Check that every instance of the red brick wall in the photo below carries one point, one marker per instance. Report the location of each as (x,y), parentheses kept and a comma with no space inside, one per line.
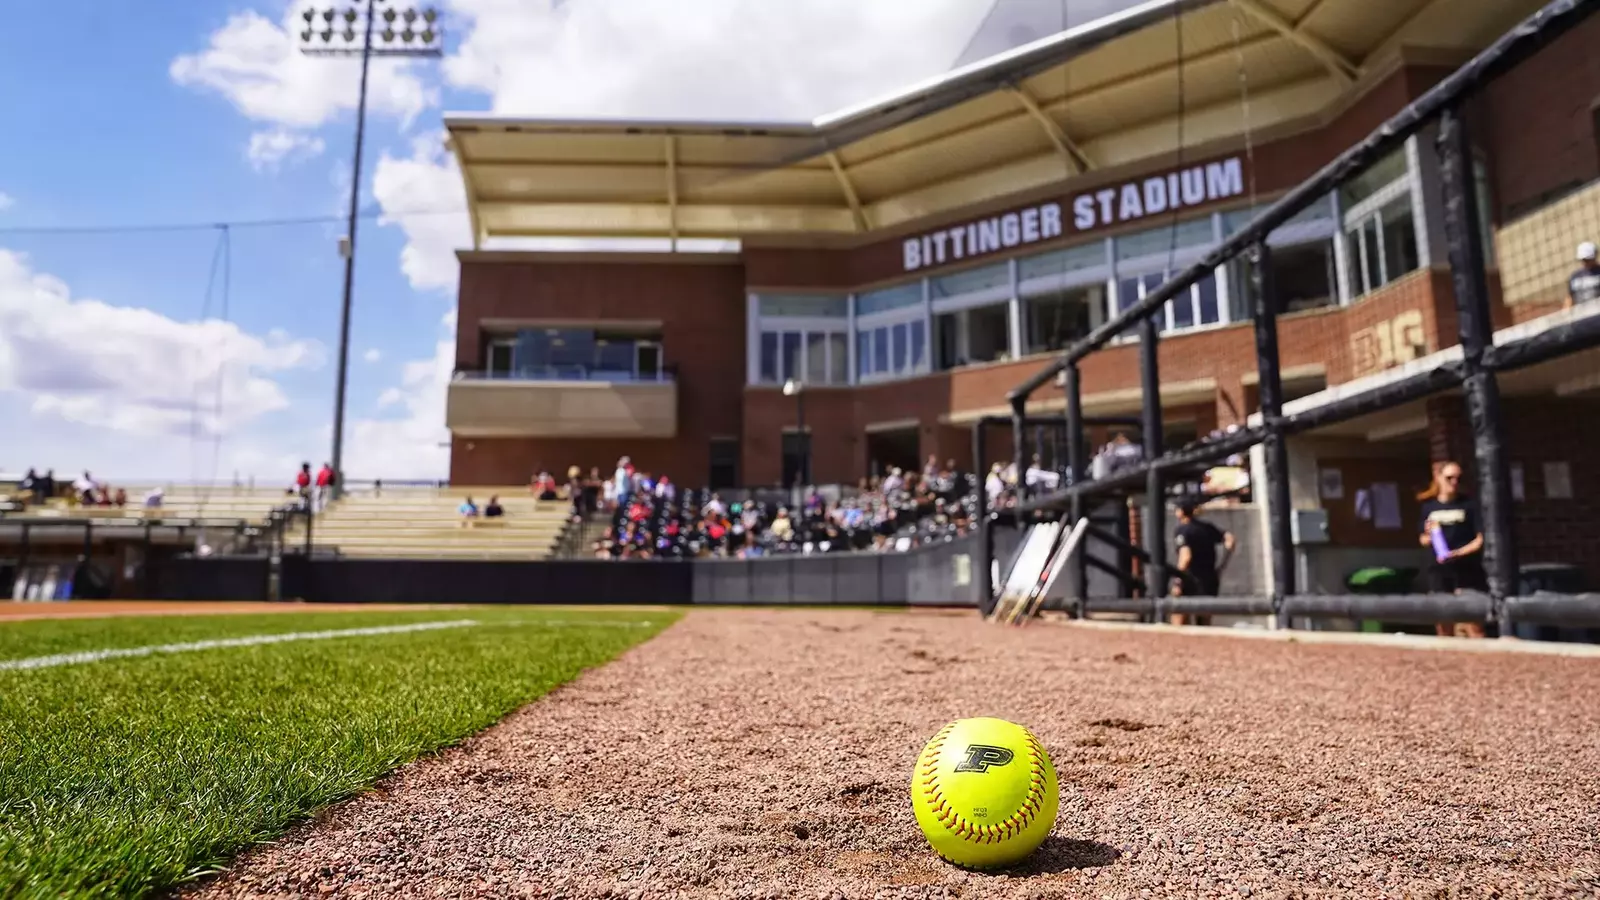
(1540,128)
(701,306)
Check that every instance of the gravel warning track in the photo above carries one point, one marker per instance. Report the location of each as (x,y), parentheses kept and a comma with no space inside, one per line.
(768,754)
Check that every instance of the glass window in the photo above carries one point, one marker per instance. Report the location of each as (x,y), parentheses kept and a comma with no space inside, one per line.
(1193,233)
(1382,246)
(889,298)
(791,356)
(970,281)
(1375,178)
(863,354)
(769,357)
(1399,239)
(803,305)
(919,346)
(838,358)
(1060,262)
(816,370)
(880,350)
(1206,297)
(989,332)
(901,344)
(500,358)
(1057,319)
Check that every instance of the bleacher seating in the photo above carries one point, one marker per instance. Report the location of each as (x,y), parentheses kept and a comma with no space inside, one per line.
(417,523)
(223,503)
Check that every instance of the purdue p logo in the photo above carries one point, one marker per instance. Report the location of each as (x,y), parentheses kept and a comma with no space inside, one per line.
(981,756)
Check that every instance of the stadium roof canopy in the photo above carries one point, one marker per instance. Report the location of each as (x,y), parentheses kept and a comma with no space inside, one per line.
(1089,99)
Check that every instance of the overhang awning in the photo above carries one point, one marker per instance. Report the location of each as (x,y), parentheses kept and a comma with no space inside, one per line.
(1099,96)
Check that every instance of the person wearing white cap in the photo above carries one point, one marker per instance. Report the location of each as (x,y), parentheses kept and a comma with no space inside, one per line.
(1584,285)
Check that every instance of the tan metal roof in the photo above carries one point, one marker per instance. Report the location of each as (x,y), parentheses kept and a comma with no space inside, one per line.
(1099,96)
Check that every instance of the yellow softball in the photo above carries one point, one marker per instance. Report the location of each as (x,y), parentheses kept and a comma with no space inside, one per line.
(985,793)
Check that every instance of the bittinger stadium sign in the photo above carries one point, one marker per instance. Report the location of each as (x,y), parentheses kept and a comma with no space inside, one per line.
(1091,211)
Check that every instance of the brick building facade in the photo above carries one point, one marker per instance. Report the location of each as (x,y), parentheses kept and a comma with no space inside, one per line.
(724,324)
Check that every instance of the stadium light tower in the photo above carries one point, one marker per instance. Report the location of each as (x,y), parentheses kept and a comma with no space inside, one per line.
(345,31)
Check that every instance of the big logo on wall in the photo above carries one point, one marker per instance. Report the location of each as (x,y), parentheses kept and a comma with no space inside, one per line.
(1095,210)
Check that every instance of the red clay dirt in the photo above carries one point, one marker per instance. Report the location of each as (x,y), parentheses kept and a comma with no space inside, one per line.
(768,754)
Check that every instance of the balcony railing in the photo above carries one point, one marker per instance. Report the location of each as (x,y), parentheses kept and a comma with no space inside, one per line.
(566,373)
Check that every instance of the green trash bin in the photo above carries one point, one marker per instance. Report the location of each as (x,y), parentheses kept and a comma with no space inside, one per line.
(1380,580)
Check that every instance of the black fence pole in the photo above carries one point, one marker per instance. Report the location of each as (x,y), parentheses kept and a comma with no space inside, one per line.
(1155,501)
(1463,238)
(22,561)
(1077,468)
(1280,532)
(1018,446)
(147,573)
(983,560)
(309,518)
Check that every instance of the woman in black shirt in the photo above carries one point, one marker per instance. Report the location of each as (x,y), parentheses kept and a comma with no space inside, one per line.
(1454,517)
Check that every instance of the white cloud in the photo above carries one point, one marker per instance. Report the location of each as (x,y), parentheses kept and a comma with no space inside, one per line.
(407,443)
(372,355)
(134,372)
(423,188)
(257,65)
(270,149)
(708,59)
(6,201)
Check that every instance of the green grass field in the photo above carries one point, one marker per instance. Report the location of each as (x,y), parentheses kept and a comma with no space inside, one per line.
(124,776)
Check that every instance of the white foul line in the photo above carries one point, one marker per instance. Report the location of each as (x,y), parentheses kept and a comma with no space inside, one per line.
(89,656)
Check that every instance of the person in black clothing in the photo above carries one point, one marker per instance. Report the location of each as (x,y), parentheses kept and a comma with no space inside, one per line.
(1199,568)
(1446,510)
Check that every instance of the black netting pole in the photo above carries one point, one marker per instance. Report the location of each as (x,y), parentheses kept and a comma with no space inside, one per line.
(985,555)
(1463,239)
(1155,496)
(1019,446)
(1280,533)
(1077,469)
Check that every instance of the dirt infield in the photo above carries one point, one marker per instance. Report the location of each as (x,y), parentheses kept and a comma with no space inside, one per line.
(768,754)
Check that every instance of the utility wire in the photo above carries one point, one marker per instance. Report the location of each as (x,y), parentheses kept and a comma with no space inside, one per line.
(152,228)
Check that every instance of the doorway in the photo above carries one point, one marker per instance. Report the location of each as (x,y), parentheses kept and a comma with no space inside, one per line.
(724,464)
(796,449)
(893,448)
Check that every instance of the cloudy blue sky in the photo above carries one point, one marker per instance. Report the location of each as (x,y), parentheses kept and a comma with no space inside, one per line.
(119,350)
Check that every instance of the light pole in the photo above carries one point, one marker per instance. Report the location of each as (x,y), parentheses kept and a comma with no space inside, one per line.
(796,389)
(334,32)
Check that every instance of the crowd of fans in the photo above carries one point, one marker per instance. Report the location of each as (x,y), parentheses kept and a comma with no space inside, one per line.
(85,490)
(651,517)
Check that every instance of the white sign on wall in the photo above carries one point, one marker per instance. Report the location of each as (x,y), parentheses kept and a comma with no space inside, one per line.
(1091,211)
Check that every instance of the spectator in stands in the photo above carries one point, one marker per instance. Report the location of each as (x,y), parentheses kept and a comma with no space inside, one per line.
(1584,285)
(84,487)
(152,500)
(493,510)
(1451,529)
(319,497)
(30,485)
(622,478)
(1121,453)
(47,485)
(468,511)
(593,490)
(1199,568)
(120,498)
(302,483)
(930,469)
